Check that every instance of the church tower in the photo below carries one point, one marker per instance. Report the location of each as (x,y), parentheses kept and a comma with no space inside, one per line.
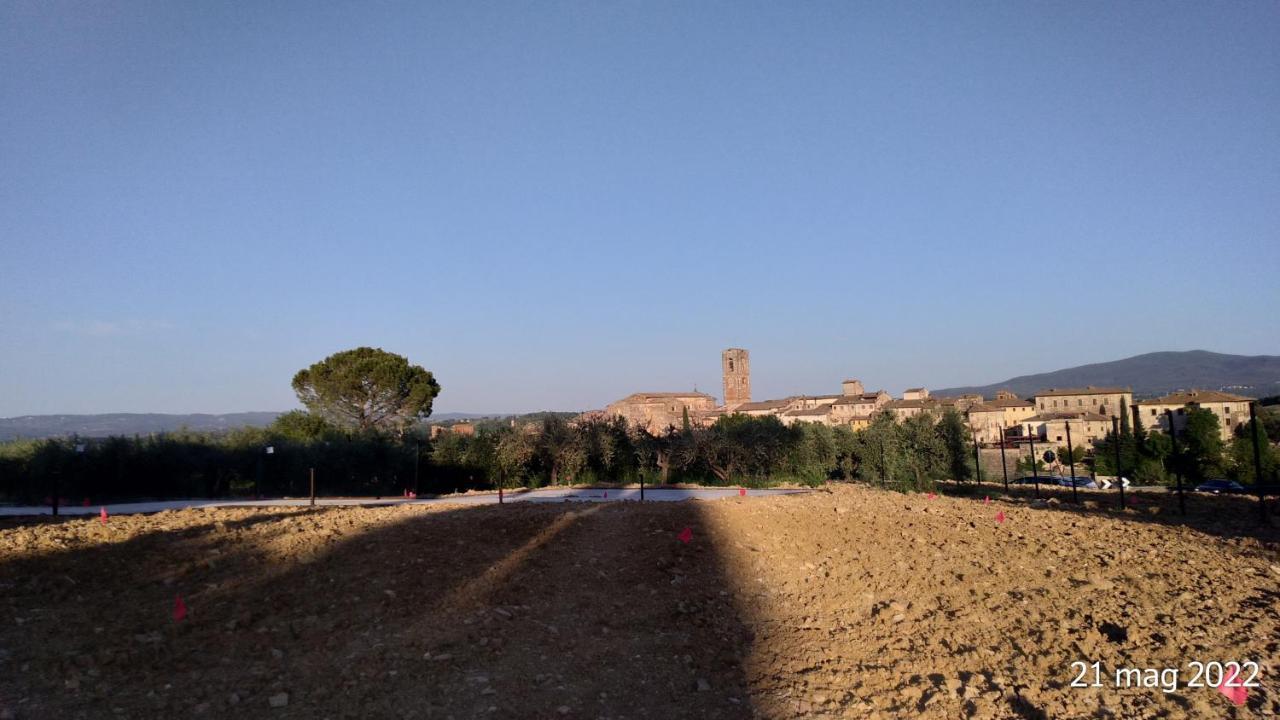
(736,365)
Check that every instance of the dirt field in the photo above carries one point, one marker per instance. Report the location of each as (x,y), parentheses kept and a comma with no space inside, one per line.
(851,602)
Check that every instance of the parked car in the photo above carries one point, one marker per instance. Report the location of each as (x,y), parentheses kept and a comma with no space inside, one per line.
(1029,480)
(1220,486)
(1080,482)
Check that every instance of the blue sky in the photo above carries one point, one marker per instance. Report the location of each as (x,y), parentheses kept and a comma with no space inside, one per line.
(551,205)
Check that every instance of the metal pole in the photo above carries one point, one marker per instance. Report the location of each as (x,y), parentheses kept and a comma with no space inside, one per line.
(1071,458)
(416,453)
(1004,468)
(1257,459)
(1177,463)
(1035,473)
(54,499)
(1115,433)
(642,487)
(257,480)
(313,487)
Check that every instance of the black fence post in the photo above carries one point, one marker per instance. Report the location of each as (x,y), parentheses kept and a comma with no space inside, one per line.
(1071,459)
(1177,463)
(1115,434)
(641,486)
(1004,467)
(313,487)
(1035,472)
(1256,431)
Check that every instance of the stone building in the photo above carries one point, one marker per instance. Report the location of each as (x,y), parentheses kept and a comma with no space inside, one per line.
(735,364)
(1051,427)
(990,420)
(915,394)
(462,428)
(820,414)
(847,407)
(1231,410)
(903,409)
(657,411)
(1100,400)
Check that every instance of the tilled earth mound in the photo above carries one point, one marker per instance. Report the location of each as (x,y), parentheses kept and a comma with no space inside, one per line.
(849,602)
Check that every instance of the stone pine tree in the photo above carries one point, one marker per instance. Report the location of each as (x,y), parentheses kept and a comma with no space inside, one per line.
(367,389)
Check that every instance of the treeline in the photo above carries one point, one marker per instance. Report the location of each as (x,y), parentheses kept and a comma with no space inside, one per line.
(737,450)
(1198,452)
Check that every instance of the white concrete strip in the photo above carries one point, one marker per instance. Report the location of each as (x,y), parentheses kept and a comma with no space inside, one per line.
(541,495)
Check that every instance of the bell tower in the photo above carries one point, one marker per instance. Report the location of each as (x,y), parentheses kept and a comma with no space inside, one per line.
(736,366)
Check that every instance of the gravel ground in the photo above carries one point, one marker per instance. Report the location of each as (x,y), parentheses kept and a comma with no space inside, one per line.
(848,602)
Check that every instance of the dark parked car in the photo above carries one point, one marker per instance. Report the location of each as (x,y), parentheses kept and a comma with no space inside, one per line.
(1220,486)
(1080,482)
(1029,480)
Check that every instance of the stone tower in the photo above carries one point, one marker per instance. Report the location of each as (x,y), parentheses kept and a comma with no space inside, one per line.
(736,364)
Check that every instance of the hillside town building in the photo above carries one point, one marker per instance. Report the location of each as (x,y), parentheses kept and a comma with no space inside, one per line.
(1231,410)
(1103,401)
(1045,418)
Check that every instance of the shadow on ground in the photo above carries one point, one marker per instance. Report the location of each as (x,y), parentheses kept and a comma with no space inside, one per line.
(516,611)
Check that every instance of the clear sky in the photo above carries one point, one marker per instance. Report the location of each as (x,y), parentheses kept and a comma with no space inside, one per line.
(552,205)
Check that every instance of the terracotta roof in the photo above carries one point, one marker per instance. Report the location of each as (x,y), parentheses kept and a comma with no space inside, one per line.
(858,399)
(820,410)
(763,405)
(640,395)
(1195,396)
(1087,390)
(998,405)
(921,403)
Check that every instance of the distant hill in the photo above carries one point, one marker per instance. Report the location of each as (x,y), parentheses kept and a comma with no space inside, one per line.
(29,427)
(1153,374)
(43,426)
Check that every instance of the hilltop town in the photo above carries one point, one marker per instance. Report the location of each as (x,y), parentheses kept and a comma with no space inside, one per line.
(1005,418)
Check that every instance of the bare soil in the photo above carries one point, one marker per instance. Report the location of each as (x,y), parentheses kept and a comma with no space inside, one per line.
(848,602)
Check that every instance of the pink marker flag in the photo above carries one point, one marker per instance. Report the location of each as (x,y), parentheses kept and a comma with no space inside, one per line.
(102,515)
(1000,517)
(179,609)
(742,492)
(1235,692)
(986,500)
(685,535)
(931,496)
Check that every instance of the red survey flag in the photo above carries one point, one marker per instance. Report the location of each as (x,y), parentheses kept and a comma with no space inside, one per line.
(685,535)
(102,515)
(179,609)
(1236,693)
(1000,517)
(931,496)
(986,500)
(742,492)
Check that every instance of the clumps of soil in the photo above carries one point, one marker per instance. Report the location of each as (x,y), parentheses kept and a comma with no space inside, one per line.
(849,602)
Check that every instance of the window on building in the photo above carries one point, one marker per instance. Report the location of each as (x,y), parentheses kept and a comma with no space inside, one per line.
(1059,438)
(730,366)
(1153,411)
